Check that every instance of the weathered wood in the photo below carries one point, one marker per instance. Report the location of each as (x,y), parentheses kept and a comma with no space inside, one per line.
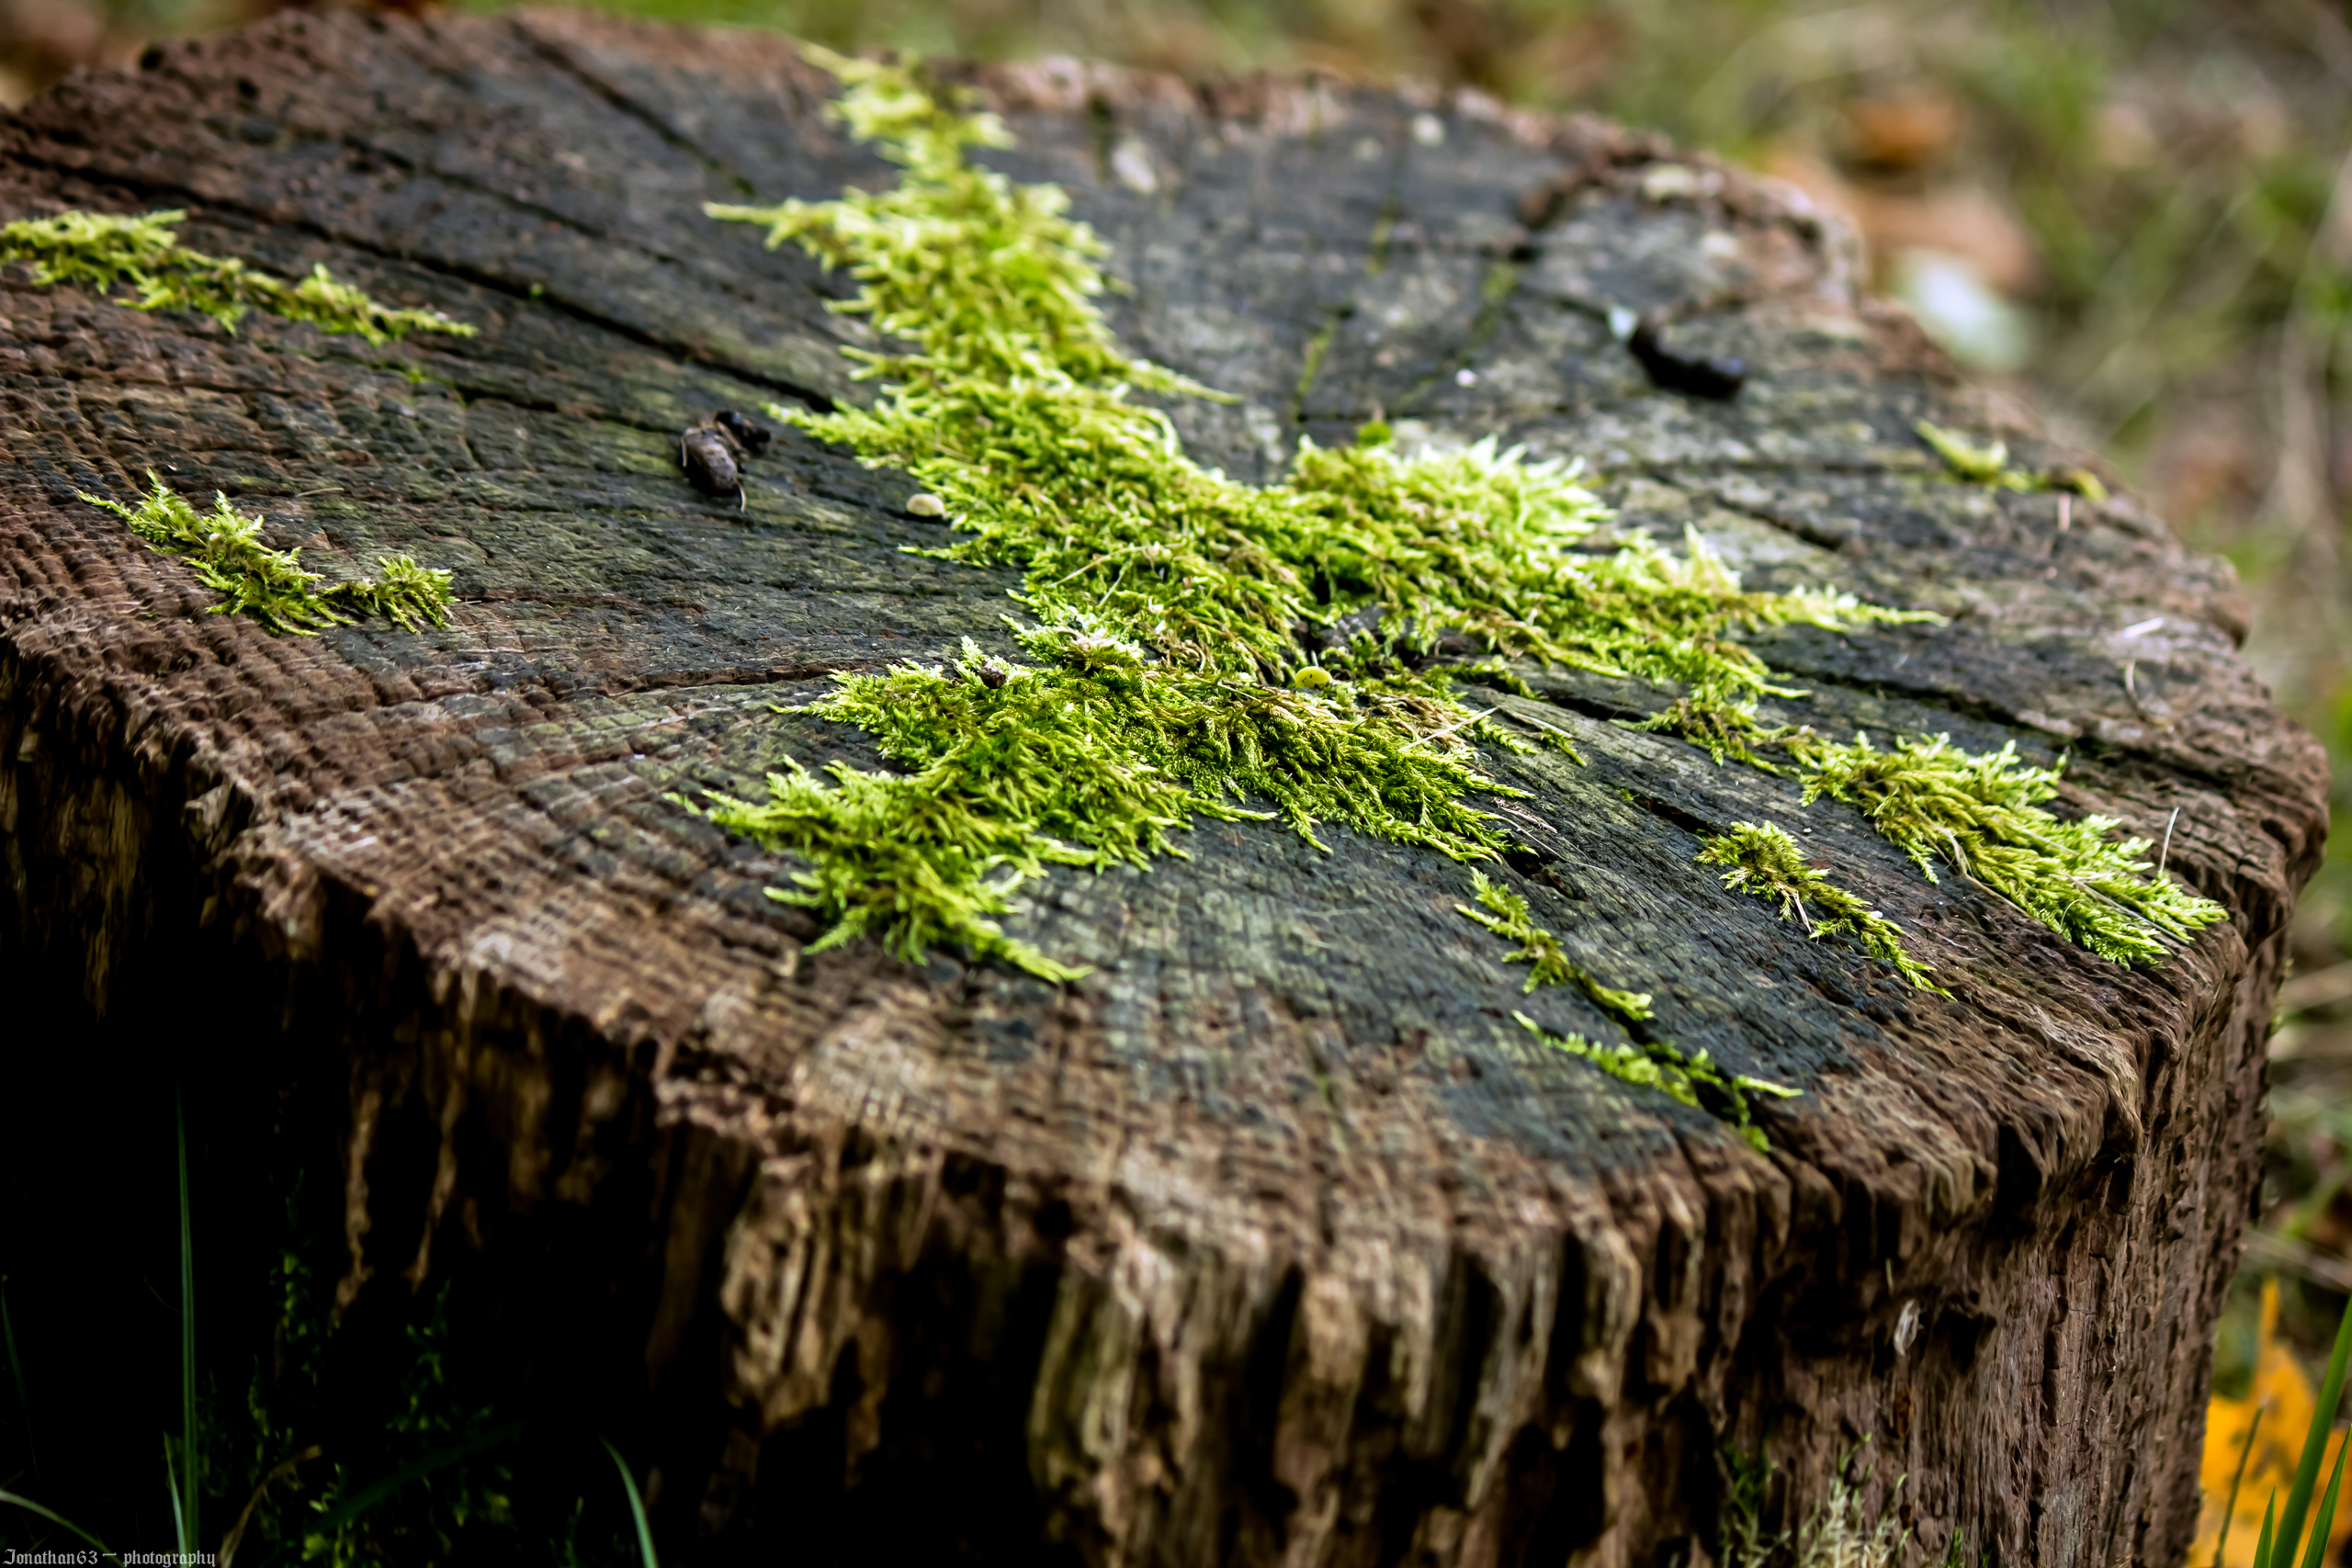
(1270,1240)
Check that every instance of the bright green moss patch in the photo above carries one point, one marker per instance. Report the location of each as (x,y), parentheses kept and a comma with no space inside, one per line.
(1201,647)
(102,250)
(1694,1080)
(1767,862)
(1506,914)
(1982,816)
(225,548)
(1188,629)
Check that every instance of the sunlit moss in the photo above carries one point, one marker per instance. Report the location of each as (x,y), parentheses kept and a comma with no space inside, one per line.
(1506,914)
(1200,644)
(225,548)
(103,250)
(1766,862)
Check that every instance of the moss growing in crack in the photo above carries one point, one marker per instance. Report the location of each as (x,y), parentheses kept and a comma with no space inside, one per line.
(225,548)
(1980,813)
(1693,1080)
(1506,914)
(103,250)
(1090,757)
(1982,816)
(1765,861)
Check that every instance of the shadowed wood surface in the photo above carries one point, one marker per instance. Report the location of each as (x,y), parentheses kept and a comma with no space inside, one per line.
(1274,1239)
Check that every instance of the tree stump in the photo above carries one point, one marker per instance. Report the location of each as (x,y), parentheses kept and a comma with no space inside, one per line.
(1273,1239)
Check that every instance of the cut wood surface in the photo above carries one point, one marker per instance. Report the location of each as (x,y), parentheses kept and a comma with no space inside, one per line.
(1274,1239)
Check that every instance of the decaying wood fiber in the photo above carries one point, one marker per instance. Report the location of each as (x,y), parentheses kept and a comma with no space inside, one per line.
(1273,1240)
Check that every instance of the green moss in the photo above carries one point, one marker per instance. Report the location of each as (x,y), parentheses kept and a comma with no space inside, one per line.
(1185,629)
(1981,816)
(1693,1080)
(1506,914)
(1978,465)
(1166,601)
(1741,1539)
(225,548)
(1835,1534)
(1767,862)
(1990,466)
(103,250)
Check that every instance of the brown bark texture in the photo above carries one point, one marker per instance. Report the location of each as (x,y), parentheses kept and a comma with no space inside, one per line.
(1274,1239)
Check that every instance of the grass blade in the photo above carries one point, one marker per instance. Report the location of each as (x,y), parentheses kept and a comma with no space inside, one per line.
(2262,1542)
(17,1371)
(189,1483)
(2331,1392)
(637,1505)
(171,1490)
(236,1535)
(490,1438)
(351,1508)
(2230,1510)
(56,1519)
(2326,1505)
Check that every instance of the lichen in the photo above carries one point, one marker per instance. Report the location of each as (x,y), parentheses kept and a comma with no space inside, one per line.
(225,548)
(1693,1080)
(103,250)
(1507,915)
(1200,646)
(1765,861)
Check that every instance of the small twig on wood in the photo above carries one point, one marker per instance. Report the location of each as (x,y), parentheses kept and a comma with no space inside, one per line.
(2166,854)
(1449,730)
(1959,856)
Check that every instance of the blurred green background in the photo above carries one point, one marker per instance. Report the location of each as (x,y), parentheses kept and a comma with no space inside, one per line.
(2137,214)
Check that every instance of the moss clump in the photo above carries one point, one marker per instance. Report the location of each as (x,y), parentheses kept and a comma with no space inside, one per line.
(1982,816)
(1693,1080)
(1767,862)
(1990,466)
(102,250)
(1198,641)
(1506,914)
(225,548)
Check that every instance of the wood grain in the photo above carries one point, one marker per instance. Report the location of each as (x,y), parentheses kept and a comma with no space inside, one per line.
(1274,1240)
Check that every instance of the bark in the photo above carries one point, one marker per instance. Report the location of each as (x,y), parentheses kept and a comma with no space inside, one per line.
(1271,1240)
